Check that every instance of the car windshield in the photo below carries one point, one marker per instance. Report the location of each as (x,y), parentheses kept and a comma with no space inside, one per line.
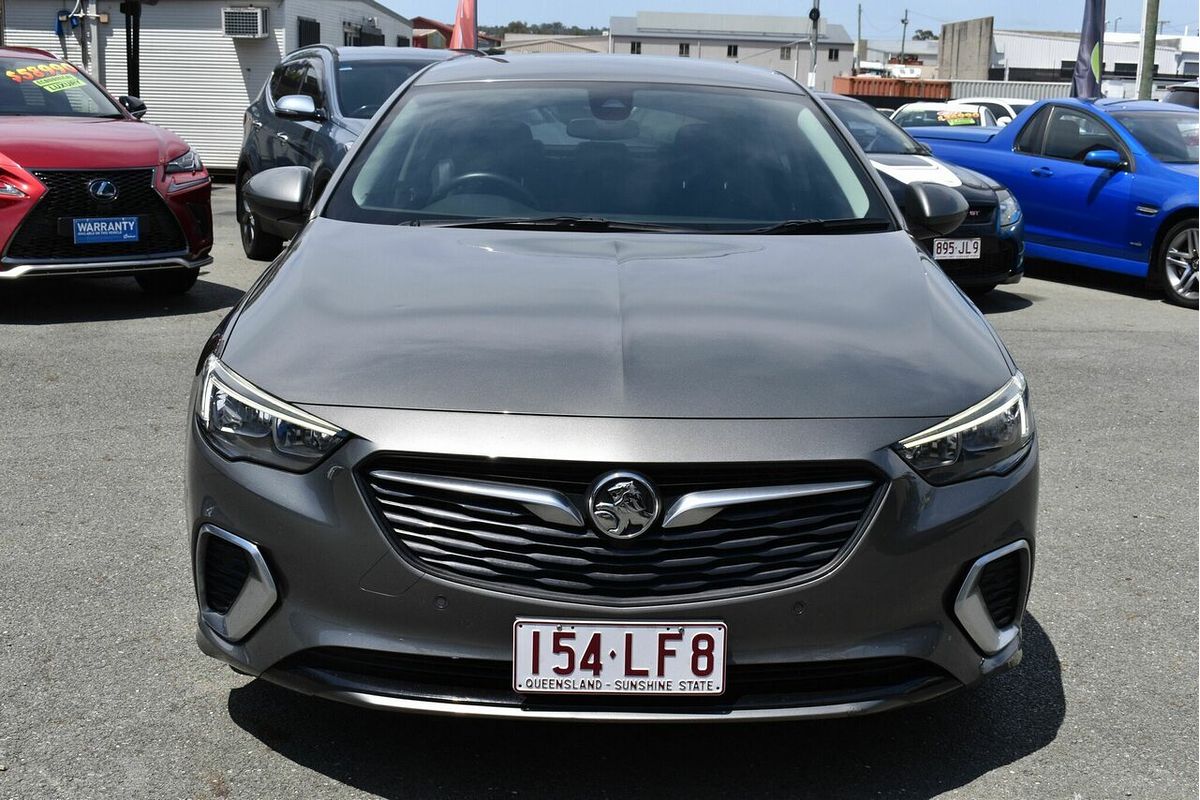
(33,87)
(679,156)
(364,86)
(1170,136)
(937,117)
(873,132)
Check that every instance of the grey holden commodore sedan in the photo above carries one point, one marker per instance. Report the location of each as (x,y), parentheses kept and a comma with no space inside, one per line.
(609,388)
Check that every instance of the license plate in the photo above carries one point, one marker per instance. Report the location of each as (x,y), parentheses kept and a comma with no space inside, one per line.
(99,230)
(634,658)
(956,248)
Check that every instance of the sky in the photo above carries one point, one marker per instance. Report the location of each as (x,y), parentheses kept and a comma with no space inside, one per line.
(881,18)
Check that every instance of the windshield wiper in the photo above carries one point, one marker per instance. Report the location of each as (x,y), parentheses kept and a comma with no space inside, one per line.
(559,223)
(801,226)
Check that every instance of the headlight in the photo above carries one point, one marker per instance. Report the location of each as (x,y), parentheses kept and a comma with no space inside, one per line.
(244,423)
(1009,209)
(188,162)
(989,438)
(8,190)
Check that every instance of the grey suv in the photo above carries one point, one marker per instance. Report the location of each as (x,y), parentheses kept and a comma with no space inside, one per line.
(315,105)
(610,388)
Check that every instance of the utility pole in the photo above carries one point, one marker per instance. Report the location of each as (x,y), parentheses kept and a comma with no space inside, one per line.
(903,35)
(858,39)
(1145,73)
(1162,23)
(813,16)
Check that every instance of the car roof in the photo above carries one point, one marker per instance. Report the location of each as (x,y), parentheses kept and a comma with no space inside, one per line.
(1121,104)
(928,105)
(11,51)
(603,67)
(375,53)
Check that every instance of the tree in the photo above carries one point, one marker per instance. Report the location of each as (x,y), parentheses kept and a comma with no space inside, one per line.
(923,35)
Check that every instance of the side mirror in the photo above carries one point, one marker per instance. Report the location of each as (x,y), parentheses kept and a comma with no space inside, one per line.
(298,106)
(280,197)
(937,208)
(1104,159)
(134,105)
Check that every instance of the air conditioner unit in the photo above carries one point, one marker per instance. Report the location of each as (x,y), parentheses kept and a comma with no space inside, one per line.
(245,23)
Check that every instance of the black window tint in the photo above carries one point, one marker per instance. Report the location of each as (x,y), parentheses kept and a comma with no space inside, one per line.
(1030,138)
(313,84)
(288,79)
(1073,134)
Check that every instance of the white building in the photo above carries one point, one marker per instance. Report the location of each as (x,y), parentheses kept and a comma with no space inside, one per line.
(547,43)
(196,74)
(778,43)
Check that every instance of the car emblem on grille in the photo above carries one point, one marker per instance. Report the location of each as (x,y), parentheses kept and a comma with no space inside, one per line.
(622,505)
(102,189)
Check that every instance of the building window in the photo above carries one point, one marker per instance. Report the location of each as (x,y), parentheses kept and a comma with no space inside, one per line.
(1066,69)
(310,32)
(403,41)
(635,48)
(731,51)
(833,54)
(685,50)
(785,54)
(1125,68)
(351,35)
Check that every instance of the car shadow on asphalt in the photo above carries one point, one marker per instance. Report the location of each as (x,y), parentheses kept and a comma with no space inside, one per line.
(53,301)
(1114,282)
(917,752)
(998,301)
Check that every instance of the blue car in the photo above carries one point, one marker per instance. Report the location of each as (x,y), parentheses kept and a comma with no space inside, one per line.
(1107,184)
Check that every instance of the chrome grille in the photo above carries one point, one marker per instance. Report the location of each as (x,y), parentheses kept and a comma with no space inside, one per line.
(448,521)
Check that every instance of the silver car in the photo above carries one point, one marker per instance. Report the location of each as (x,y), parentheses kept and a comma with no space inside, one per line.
(609,388)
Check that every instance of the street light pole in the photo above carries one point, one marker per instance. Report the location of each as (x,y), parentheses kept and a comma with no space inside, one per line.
(1145,73)
(813,17)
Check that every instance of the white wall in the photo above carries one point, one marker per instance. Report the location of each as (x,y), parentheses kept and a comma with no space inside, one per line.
(754,54)
(332,14)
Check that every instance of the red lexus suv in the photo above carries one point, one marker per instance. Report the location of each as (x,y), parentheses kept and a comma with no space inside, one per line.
(87,188)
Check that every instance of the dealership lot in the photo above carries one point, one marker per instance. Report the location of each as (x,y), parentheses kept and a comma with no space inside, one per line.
(104,694)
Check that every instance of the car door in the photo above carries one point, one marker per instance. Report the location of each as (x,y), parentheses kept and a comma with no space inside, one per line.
(302,137)
(1068,204)
(274,133)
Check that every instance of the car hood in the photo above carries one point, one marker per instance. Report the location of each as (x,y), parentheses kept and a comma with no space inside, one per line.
(86,143)
(906,168)
(628,325)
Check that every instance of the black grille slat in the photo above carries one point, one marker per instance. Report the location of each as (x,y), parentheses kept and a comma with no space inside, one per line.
(40,236)
(501,543)
(226,569)
(1001,586)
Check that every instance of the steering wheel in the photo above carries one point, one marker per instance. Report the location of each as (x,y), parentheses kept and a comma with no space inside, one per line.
(366,111)
(512,189)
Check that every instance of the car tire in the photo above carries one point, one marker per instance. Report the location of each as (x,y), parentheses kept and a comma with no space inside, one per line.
(168,282)
(1177,263)
(256,243)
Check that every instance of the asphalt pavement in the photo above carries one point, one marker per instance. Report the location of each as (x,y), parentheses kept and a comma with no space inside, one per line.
(103,693)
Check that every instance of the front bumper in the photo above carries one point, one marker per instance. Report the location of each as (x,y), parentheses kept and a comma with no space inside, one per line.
(109,269)
(344,592)
(1001,260)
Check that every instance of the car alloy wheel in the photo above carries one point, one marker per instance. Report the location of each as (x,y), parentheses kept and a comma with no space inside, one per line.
(1181,262)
